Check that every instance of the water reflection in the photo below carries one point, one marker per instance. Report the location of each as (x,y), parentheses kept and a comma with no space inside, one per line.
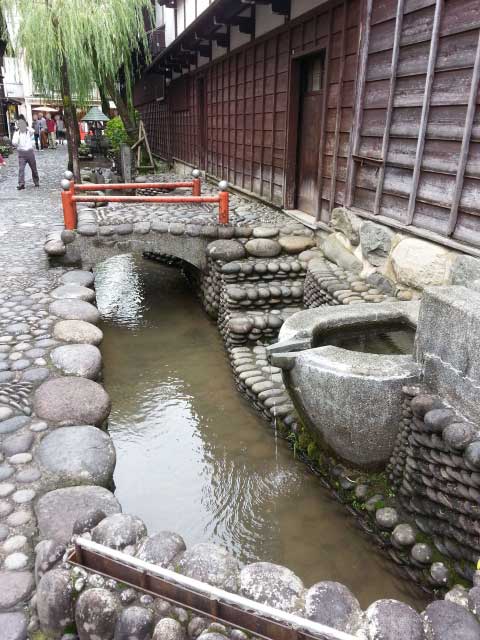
(193,456)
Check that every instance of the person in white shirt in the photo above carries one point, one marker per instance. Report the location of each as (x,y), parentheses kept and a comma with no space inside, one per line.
(22,139)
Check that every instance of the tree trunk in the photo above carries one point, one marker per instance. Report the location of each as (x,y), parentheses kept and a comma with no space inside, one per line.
(71,124)
(104,100)
(123,110)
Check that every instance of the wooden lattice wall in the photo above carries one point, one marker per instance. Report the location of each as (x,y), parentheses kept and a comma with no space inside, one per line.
(400,131)
(417,151)
(247,108)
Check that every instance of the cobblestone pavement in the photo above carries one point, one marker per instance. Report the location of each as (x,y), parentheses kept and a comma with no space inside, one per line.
(242,210)
(25,340)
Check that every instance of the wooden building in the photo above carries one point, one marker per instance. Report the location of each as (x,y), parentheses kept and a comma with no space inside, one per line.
(309,105)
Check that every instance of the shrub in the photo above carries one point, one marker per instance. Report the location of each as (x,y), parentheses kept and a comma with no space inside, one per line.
(115,132)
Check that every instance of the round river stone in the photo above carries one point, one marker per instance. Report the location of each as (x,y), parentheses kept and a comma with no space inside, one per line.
(226,250)
(296,244)
(273,585)
(82,278)
(119,530)
(161,548)
(444,620)
(77,331)
(332,604)
(55,601)
(212,564)
(77,455)
(72,401)
(73,292)
(13,625)
(15,586)
(96,614)
(75,310)
(263,248)
(58,510)
(393,620)
(83,360)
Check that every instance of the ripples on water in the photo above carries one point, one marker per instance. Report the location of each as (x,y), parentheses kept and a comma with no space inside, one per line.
(193,456)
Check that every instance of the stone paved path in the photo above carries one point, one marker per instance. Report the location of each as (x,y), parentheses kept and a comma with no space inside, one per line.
(25,341)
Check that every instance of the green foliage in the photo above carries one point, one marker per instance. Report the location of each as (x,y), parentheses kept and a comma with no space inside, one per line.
(116,133)
(312,450)
(5,150)
(95,38)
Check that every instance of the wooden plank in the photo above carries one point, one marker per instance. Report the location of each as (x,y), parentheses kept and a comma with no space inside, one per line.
(252,139)
(391,95)
(339,110)
(460,16)
(321,146)
(233,610)
(459,182)
(386,9)
(425,108)
(262,143)
(454,52)
(275,73)
(358,111)
(440,156)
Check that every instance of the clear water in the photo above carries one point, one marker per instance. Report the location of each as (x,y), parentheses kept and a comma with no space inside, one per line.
(386,339)
(193,457)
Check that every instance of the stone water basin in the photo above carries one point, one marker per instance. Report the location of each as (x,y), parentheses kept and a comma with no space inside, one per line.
(344,369)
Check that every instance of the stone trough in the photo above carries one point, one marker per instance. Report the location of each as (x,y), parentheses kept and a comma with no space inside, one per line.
(363,430)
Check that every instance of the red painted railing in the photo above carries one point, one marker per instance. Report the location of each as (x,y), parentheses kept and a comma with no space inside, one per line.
(70,196)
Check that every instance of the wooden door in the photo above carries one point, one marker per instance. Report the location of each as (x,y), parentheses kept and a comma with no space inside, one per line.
(310,118)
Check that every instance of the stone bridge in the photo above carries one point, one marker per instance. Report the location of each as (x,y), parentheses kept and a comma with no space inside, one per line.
(180,230)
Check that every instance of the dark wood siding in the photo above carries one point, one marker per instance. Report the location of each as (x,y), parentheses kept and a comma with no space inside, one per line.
(418,150)
(247,107)
(400,130)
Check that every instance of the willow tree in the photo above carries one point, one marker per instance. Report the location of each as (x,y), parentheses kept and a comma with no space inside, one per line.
(72,45)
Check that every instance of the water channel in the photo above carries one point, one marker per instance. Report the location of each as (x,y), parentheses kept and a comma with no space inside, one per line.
(195,458)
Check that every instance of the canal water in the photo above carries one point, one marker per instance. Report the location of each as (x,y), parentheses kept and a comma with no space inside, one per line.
(195,458)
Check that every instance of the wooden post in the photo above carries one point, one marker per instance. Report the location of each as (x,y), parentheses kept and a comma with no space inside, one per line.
(323,135)
(196,187)
(432,58)
(223,207)
(467,133)
(338,117)
(69,213)
(391,94)
(358,103)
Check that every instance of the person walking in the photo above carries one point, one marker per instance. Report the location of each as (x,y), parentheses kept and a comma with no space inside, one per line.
(36,130)
(51,131)
(43,132)
(60,129)
(22,139)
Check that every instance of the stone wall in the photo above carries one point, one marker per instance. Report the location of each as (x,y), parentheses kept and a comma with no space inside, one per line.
(404,264)
(435,469)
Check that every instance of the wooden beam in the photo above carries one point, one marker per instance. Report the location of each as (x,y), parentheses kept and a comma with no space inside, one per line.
(323,124)
(274,107)
(354,142)
(262,142)
(432,58)
(338,116)
(244,117)
(391,95)
(467,133)
(281,7)
(245,24)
